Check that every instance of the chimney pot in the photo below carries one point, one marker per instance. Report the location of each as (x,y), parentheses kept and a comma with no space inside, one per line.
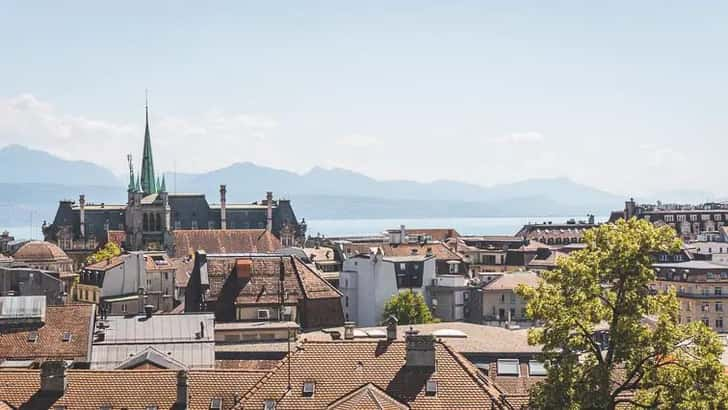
(148,311)
(223,206)
(269,213)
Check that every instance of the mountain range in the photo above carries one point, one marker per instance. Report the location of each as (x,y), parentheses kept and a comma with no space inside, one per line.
(32,183)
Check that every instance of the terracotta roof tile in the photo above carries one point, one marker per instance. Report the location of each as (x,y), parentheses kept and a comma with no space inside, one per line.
(339,368)
(186,242)
(132,389)
(368,396)
(76,319)
(39,251)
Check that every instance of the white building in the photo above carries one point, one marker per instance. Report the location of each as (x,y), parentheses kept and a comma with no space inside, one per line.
(368,281)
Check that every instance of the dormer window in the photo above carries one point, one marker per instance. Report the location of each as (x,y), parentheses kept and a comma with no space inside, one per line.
(269,404)
(66,336)
(309,388)
(431,388)
(263,314)
(33,337)
(216,404)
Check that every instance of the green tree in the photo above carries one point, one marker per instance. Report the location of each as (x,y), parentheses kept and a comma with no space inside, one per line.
(409,308)
(108,251)
(650,361)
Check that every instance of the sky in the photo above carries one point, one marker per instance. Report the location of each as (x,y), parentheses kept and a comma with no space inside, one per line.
(629,97)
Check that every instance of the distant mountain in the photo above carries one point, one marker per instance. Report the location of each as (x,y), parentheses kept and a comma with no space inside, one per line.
(35,181)
(25,165)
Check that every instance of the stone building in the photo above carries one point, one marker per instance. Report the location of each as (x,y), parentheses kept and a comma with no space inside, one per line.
(151,214)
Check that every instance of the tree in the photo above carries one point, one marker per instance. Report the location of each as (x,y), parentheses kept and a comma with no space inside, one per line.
(108,251)
(409,308)
(650,360)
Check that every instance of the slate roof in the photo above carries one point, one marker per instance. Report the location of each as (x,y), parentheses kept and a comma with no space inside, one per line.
(76,319)
(340,368)
(132,389)
(187,241)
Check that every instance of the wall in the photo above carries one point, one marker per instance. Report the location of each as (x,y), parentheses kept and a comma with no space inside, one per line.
(494,300)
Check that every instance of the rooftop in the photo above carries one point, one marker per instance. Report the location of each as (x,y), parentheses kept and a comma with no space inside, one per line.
(510,281)
(188,241)
(40,251)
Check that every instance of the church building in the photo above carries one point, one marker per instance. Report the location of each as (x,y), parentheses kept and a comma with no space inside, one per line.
(151,215)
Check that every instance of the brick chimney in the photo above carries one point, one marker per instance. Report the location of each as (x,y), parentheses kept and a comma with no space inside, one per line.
(420,350)
(53,377)
(269,214)
(182,390)
(82,214)
(223,202)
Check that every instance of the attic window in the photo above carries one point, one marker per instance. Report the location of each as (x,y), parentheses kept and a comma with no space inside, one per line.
(508,367)
(33,337)
(263,314)
(269,404)
(309,388)
(66,336)
(431,388)
(216,404)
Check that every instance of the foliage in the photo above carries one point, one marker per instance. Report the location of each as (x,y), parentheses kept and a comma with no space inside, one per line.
(108,251)
(409,308)
(650,361)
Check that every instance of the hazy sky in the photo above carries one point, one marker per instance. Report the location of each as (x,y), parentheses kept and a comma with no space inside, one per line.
(625,96)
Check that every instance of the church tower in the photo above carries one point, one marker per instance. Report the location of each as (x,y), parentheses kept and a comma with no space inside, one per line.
(148,182)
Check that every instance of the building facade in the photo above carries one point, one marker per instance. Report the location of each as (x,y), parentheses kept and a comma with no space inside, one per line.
(151,214)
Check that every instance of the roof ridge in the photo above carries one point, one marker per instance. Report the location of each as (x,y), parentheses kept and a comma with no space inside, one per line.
(332,287)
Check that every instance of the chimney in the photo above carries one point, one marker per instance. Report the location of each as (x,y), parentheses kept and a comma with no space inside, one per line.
(420,350)
(223,201)
(53,377)
(269,215)
(591,219)
(349,330)
(82,214)
(392,328)
(244,268)
(148,310)
(182,390)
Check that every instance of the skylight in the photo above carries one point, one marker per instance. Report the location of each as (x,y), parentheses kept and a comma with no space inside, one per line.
(309,388)
(508,367)
(33,337)
(536,368)
(216,404)
(66,336)
(431,387)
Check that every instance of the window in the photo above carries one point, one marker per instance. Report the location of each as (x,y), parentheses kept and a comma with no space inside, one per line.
(709,275)
(33,337)
(705,217)
(508,367)
(269,405)
(346,301)
(717,217)
(263,314)
(719,323)
(669,218)
(431,388)
(718,291)
(705,321)
(536,368)
(216,404)
(681,218)
(152,407)
(309,388)
(123,307)
(705,307)
(194,224)
(718,306)
(513,298)
(210,224)
(66,336)
(724,275)
(454,267)
(177,224)
(693,218)
(466,296)
(503,297)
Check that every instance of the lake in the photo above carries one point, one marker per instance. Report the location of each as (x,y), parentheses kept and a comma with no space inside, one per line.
(465,226)
(344,227)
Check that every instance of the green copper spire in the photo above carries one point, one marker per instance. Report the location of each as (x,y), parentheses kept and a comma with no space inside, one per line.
(149,185)
(163,188)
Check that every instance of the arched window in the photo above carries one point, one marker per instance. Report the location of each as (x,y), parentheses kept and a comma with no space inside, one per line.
(146,222)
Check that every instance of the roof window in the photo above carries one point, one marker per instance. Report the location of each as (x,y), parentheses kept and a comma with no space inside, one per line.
(536,368)
(152,407)
(66,336)
(431,388)
(216,404)
(508,367)
(309,388)
(33,337)
(269,404)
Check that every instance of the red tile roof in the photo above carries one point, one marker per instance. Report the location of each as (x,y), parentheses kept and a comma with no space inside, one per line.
(186,242)
(342,367)
(437,234)
(76,319)
(132,389)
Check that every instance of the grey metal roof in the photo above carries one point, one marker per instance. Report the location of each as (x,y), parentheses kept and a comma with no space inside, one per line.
(694,264)
(192,355)
(159,329)
(22,308)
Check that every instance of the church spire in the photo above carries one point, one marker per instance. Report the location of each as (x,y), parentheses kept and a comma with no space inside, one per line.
(163,187)
(148,181)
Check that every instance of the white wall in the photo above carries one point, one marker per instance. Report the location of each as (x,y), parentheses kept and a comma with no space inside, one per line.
(126,278)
